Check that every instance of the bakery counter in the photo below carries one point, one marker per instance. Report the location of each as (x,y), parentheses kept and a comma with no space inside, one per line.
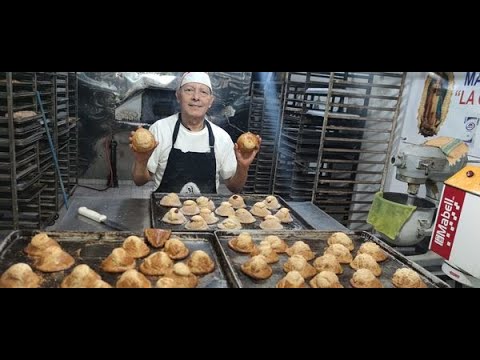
(315,217)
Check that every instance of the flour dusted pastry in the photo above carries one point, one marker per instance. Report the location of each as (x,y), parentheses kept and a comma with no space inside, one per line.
(340,252)
(293,280)
(205,203)
(190,207)
(272,202)
(158,263)
(373,249)
(200,263)
(20,275)
(257,268)
(182,276)
(197,223)
(143,140)
(407,278)
(225,209)
(118,261)
(208,216)
(157,237)
(171,200)
(133,279)
(298,263)
(82,276)
(284,215)
(135,247)
(364,278)
(300,248)
(242,243)
(22,114)
(271,223)
(244,216)
(326,280)
(39,243)
(328,262)
(366,261)
(230,223)
(341,238)
(236,201)
(266,250)
(176,249)
(260,209)
(277,244)
(165,283)
(53,259)
(174,216)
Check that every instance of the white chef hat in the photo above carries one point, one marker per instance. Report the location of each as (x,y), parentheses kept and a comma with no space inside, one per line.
(197,77)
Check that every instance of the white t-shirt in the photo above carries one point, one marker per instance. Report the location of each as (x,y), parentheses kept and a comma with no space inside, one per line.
(188,141)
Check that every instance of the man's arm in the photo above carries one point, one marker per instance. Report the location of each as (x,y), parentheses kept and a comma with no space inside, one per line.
(236,183)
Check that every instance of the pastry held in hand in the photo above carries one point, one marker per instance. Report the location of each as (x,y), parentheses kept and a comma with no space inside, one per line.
(174,216)
(326,280)
(143,140)
(248,142)
(197,223)
(133,279)
(20,275)
(293,280)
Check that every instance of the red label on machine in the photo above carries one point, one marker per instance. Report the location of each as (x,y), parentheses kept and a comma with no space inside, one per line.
(448,216)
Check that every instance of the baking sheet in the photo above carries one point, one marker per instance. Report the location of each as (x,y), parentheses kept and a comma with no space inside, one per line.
(317,240)
(158,211)
(92,247)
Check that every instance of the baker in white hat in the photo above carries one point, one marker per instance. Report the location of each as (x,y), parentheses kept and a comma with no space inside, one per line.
(192,153)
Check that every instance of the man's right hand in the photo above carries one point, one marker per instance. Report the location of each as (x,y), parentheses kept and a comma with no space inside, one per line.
(141,158)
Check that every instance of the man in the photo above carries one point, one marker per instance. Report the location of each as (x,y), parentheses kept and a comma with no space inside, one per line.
(191,152)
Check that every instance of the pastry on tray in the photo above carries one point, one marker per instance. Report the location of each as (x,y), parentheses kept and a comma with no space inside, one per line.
(407,278)
(260,209)
(182,276)
(277,244)
(209,216)
(328,262)
(205,203)
(242,243)
(157,237)
(272,202)
(364,278)
(257,268)
(174,216)
(366,261)
(133,279)
(158,263)
(342,254)
(53,259)
(225,209)
(301,248)
(171,200)
(39,243)
(197,223)
(298,263)
(176,249)
(284,215)
(20,275)
(245,216)
(237,201)
(266,250)
(326,280)
(341,238)
(373,249)
(230,223)
(83,276)
(292,280)
(118,261)
(271,223)
(190,207)
(200,263)
(136,247)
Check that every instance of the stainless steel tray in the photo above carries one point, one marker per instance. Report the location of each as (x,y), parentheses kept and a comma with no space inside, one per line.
(92,247)
(317,240)
(158,211)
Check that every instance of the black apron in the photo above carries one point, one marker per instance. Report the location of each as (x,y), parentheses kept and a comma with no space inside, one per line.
(190,167)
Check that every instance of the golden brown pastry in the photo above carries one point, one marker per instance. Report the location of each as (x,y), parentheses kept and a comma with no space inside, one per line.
(277,244)
(197,223)
(284,215)
(200,263)
(364,278)
(365,261)
(157,237)
(20,275)
(176,249)
(298,263)
(133,279)
(174,216)
(266,250)
(328,262)
(257,268)
(300,248)
(53,259)
(205,203)
(208,216)
(236,201)
(293,280)
(271,223)
(190,207)
(100,284)
(143,140)
(326,280)
(248,142)
(260,209)
(158,263)
(39,243)
(272,202)
(245,216)
(165,283)
(82,276)
(171,200)
(341,238)
(118,261)
(230,223)
(407,278)
(340,252)
(242,243)
(225,209)
(136,247)
(373,249)
(182,276)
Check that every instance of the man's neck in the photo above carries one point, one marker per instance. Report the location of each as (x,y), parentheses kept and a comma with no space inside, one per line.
(193,124)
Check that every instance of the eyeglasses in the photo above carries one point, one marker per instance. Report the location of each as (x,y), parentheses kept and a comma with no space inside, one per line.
(190,91)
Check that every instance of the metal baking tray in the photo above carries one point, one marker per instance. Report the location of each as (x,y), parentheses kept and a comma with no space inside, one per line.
(92,247)
(158,211)
(317,240)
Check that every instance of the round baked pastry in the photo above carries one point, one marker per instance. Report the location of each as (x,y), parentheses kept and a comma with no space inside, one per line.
(328,262)
(176,249)
(271,223)
(373,249)
(407,278)
(236,201)
(245,216)
(158,263)
(260,209)
(165,283)
(182,276)
(20,275)
(266,250)
(133,279)
(208,216)
(118,261)
(190,207)
(143,140)
(340,252)
(53,259)
(257,268)
(248,142)
(230,223)
(277,244)
(326,280)
(341,238)
(197,223)
(157,237)
(364,278)
(39,243)
(298,263)
(366,261)
(272,202)
(300,248)
(174,216)
(242,243)
(200,263)
(204,202)
(136,247)
(171,200)
(284,215)
(225,209)
(82,276)
(293,280)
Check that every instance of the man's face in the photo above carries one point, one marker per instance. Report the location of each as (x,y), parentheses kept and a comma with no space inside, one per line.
(195,99)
